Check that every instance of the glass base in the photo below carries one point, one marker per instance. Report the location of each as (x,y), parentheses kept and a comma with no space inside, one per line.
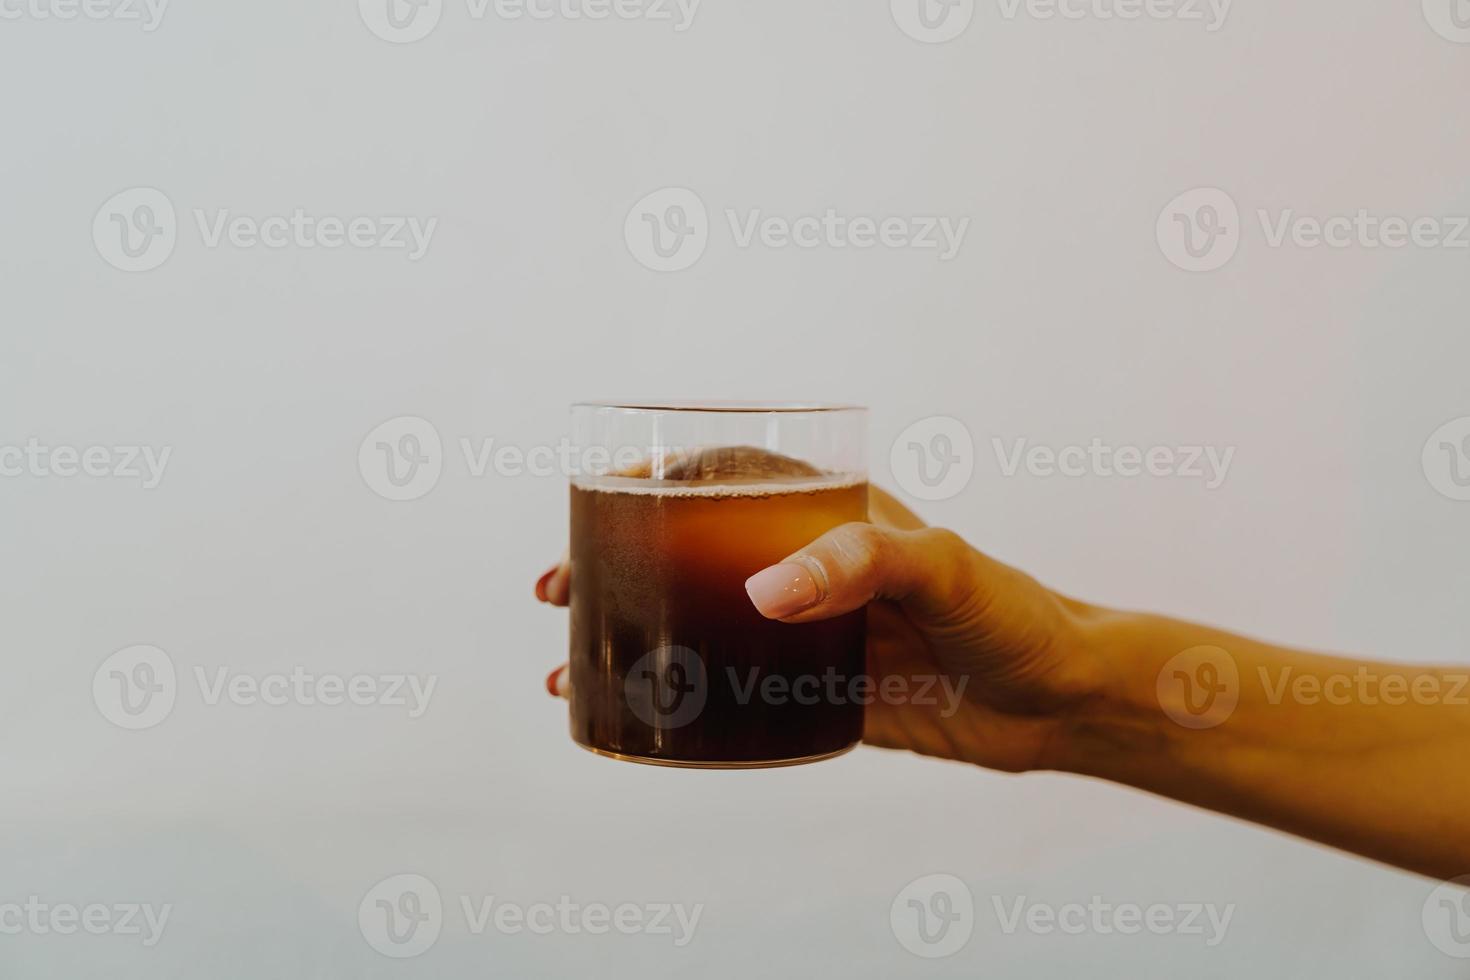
(686,764)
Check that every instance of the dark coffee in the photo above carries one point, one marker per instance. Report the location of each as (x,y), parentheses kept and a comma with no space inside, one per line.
(670,662)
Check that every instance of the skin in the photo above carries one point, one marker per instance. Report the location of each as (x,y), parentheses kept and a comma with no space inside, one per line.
(1366,757)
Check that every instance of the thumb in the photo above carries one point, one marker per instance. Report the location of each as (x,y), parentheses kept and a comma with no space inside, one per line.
(930,571)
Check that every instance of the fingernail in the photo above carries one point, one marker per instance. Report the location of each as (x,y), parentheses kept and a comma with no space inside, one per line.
(541,583)
(783,590)
(556,683)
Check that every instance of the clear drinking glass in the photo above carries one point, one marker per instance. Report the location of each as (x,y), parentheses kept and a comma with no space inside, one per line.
(674,507)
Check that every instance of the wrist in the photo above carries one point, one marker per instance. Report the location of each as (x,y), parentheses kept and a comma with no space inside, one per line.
(1114,721)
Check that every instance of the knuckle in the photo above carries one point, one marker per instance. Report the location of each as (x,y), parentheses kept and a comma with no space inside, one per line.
(954,582)
(858,549)
(944,542)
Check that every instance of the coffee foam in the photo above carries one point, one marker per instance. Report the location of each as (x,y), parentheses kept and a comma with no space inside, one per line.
(672,488)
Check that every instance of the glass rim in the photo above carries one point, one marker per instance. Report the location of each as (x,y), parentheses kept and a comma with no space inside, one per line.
(722,407)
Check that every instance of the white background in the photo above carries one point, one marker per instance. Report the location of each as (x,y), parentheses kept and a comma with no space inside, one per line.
(1060,320)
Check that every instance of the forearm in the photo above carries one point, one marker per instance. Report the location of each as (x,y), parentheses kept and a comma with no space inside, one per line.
(1373,758)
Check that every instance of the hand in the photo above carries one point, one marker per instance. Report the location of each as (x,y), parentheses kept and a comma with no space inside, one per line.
(1052,683)
(941,615)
